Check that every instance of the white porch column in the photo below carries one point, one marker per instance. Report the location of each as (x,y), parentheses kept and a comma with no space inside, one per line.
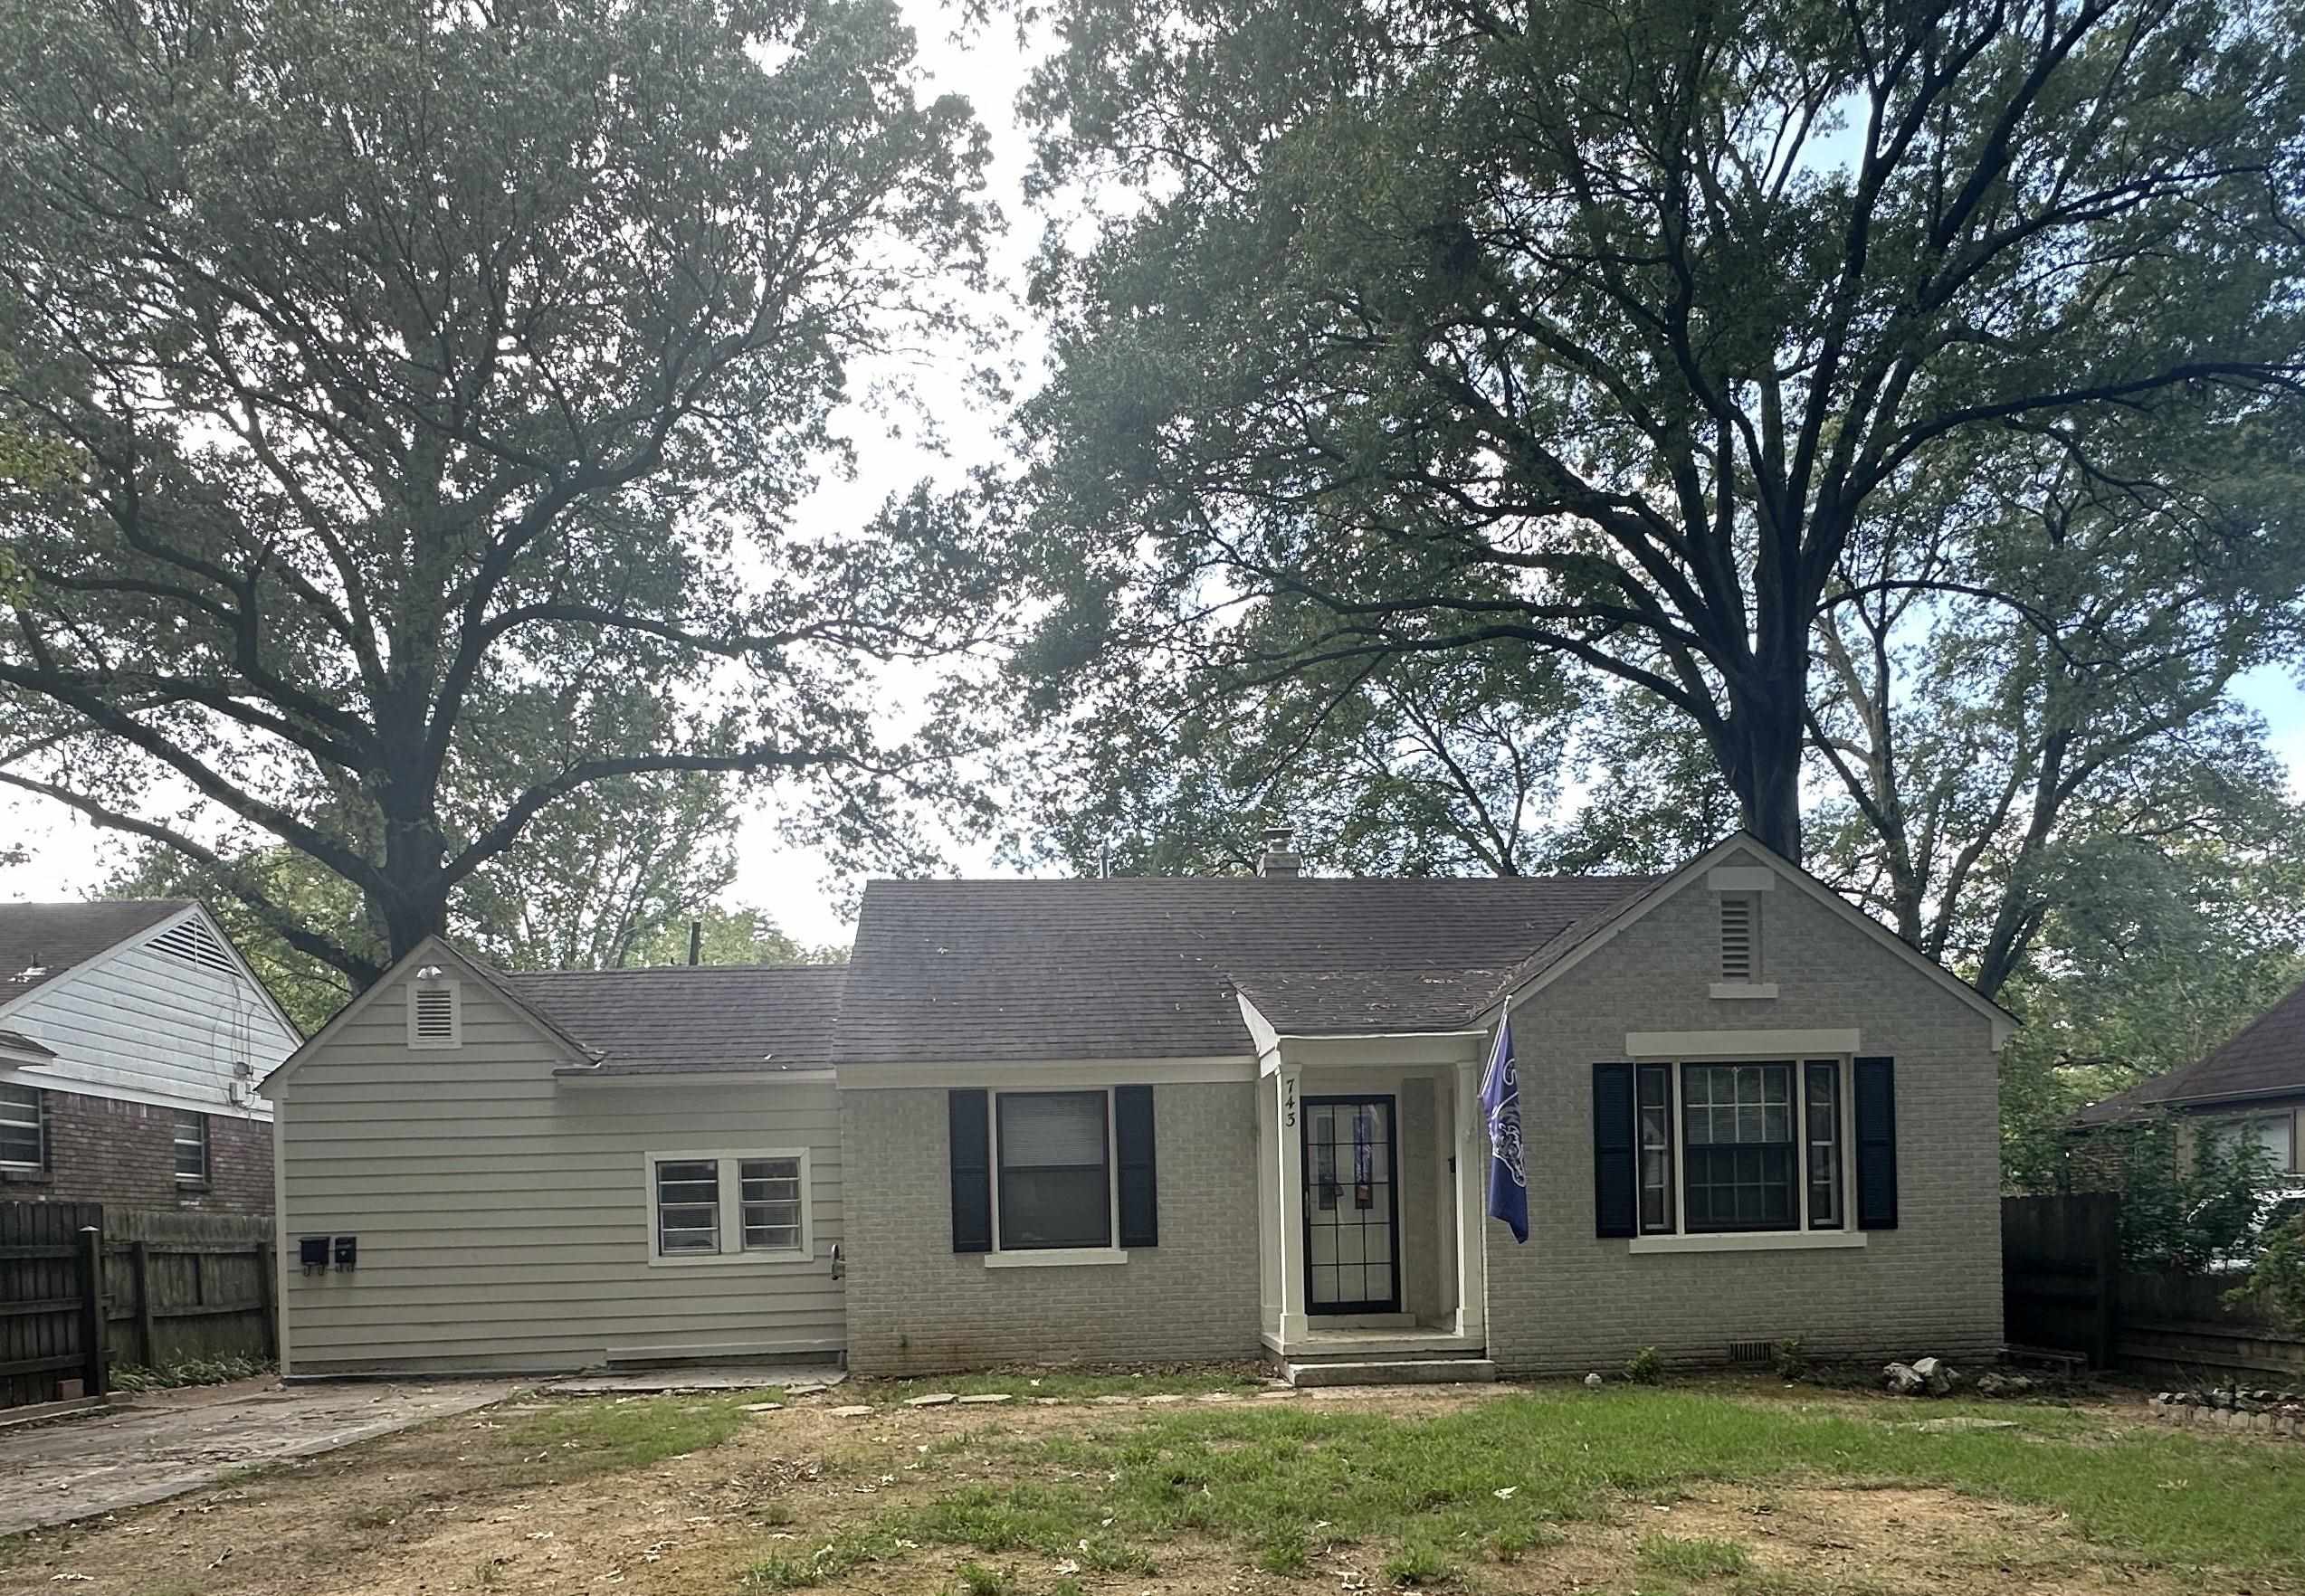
(1289,1147)
(1471,1145)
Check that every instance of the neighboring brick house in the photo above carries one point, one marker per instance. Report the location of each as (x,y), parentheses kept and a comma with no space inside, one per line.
(132,1037)
(1136,1120)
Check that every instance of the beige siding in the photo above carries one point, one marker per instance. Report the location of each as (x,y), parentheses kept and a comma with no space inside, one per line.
(503,1216)
(1568,1301)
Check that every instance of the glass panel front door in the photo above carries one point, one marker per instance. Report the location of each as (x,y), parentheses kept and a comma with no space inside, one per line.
(1352,1206)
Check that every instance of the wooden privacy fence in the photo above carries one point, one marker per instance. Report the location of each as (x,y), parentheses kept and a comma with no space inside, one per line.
(84,1289)
(2065,1289)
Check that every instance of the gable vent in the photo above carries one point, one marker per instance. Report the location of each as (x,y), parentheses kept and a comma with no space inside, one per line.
(195,944)
(1738,938)
(435,1019)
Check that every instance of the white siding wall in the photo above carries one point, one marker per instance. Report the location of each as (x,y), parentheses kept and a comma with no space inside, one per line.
(149,1027)
(503,1217)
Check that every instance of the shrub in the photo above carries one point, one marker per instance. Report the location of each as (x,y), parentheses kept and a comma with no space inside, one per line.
(1790,1358)
(214,1371)
(2277,1284)
(1644,1367)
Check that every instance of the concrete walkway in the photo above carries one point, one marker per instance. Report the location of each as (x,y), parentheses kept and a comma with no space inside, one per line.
(147,1448)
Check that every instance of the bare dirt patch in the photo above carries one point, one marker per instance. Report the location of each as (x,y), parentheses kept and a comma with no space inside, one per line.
(473,1503)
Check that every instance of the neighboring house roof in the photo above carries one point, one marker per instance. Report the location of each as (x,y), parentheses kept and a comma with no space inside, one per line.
(40,942)
(704,1017)
(1141,967)
(2265,1058)
(16,1044)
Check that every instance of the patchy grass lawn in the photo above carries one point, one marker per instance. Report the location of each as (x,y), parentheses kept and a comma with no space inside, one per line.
(1731,1490)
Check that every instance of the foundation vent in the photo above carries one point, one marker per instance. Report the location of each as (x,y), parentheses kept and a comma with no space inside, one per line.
(1751,1351)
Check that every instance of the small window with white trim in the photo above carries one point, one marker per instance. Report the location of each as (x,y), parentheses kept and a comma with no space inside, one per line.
(435,1009)
(2274,1133)
(728,1206)
(192,1149)
(23,1141)
(1757,1144)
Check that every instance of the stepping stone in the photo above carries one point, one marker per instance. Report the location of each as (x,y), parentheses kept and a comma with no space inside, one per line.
(807,1388)
(1163,1399)
(1960,1422)
(1217,1396)
(934,1399)
(764,1407)
(1112,1402)
(985,1399)
(1048,1401)
(858,1412)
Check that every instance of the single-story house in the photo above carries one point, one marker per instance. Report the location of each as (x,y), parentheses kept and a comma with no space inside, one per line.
(1131,1120)
(2251,1088)
(132,1036)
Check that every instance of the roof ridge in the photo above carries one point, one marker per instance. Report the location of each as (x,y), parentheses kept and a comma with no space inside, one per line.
(667,969)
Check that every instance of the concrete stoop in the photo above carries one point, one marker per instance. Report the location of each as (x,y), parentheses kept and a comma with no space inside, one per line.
(1439,1371)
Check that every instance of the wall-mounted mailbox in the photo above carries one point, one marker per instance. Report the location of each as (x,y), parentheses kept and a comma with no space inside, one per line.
(348,1251)
(312,1252)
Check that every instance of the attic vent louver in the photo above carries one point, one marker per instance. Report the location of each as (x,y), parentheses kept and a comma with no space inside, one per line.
(194,943)
(435,1015)
(1738,938)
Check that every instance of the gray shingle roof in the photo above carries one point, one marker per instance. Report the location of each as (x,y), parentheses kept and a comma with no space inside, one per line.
(1147,967)
(52,939)
(705,1017)
(16,1041)
(2265,1058)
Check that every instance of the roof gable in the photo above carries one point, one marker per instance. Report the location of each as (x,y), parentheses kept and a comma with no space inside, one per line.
(42,943)
(1588,938)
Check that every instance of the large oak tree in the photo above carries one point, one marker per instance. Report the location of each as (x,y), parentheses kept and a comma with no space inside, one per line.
(438,381)
(1602,329)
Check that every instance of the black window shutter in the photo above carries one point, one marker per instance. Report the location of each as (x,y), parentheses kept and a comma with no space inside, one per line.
(972,1172)
(1132,1142)
(1616,1184)
(1876,1104)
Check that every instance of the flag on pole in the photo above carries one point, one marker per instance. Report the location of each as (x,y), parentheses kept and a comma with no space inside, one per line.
(1500,1100)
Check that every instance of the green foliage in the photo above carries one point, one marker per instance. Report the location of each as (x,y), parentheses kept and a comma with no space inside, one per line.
(1550,335)
(406,510)
(2276,1281)
(1644,1367)
(2188,1201)
(199,1371)
(1694,1558)
(977,1580)
(1790,1358)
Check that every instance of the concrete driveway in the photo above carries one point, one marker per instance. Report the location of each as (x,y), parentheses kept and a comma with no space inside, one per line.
(147,1447)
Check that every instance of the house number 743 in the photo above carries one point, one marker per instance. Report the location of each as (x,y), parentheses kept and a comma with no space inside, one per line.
(1289,1101)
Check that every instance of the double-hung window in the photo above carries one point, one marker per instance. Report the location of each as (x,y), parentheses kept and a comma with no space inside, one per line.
(192,1149)
(1741,1146)
(728,1206)
(22,1141)
(2274,1133)
(1054,1152)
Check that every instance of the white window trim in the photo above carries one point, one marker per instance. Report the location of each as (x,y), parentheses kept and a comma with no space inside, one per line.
(1680,1238)
(455,990)
(39,1129)
(1036,1258)
(1744,989)
(731,1215)
(207,1147)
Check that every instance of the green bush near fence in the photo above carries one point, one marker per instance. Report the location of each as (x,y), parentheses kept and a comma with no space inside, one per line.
(190,1372)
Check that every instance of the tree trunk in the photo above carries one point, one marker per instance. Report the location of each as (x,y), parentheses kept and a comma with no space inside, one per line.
(1767,733)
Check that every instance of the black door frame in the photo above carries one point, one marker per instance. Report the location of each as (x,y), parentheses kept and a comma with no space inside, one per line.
(1392,1195)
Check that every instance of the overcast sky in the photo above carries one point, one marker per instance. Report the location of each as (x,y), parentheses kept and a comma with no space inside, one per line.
(69,858)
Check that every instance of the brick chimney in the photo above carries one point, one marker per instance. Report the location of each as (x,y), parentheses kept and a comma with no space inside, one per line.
(1280,856)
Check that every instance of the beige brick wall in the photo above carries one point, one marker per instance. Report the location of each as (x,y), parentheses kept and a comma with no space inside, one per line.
(1569,1302)
(915,1305)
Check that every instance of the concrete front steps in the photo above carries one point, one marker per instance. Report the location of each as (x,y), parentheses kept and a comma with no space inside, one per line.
(1461,1370)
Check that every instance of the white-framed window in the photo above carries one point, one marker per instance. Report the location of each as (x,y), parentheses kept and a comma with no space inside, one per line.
(435,1009)
(24,1142)
(728,1206)
(2276,1133)
(1743,1147)
(1052,1171)
(191,1148)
